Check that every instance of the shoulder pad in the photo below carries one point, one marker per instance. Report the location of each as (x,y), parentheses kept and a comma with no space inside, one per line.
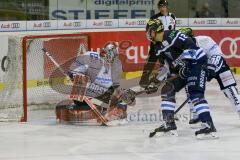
(204,39)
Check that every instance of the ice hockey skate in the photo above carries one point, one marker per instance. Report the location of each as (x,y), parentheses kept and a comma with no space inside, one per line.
(208,131)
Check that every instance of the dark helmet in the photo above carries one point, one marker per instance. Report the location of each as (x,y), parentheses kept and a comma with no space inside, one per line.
(154,25)
(187,31)
(162,3)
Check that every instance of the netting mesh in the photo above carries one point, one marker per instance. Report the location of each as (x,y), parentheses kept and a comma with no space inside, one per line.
(39,91)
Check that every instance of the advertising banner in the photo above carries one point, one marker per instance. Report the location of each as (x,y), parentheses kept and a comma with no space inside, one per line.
(132,23)
(41,25)
(104,23)
(212,23)
(204,22)
(71,24)
(133,57)
(100,9)
(230,21)
(12,26)
(228,41)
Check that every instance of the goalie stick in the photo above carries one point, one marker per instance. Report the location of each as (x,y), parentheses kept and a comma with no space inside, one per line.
(177,110)
(86,99)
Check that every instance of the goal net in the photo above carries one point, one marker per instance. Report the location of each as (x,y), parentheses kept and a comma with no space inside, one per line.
(30,80)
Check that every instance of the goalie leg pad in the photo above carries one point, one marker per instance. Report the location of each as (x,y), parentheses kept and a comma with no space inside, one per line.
(76,113)
(233,95)
(226,79)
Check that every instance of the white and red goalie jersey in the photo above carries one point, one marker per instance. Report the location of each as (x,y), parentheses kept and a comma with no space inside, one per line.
(102,75)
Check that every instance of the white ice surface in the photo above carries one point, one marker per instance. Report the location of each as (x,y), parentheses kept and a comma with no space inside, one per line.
(44,139)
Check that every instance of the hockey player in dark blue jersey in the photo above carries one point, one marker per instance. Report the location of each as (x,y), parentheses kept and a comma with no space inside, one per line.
(217,68)
(189,63)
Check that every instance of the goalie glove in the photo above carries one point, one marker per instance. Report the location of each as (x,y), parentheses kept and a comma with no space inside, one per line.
(128,97)
(123,96)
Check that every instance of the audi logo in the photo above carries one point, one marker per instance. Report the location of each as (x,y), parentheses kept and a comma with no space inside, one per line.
(233,47)
(15,25)
(141,22)
(46,24)
(108,23)
(77,24)
(211,21)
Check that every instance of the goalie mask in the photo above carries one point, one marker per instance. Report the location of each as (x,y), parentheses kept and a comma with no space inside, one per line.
(109,52)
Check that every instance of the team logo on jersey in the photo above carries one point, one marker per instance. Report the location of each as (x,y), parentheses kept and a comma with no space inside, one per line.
(172,34)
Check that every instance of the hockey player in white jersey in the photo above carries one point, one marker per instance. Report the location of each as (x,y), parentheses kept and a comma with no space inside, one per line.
(217,68)
(104,70)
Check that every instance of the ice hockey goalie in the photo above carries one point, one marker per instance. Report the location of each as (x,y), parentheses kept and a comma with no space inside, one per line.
(96,76)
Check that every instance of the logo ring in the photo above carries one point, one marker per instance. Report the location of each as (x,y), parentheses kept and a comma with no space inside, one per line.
(233,47)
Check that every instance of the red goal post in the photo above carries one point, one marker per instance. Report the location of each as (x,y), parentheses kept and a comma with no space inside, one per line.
(28,83)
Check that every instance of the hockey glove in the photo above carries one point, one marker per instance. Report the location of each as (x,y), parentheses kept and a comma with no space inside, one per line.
(151,89)
(128,97)
(210,74)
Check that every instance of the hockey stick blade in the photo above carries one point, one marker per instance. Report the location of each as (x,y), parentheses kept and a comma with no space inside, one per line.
(152,134)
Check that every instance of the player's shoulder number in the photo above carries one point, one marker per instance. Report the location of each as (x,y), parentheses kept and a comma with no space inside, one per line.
(94,55)
(181,36)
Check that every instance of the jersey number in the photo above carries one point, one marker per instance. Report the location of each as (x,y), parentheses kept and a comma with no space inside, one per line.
(94,55)
(216,60)
(183,37)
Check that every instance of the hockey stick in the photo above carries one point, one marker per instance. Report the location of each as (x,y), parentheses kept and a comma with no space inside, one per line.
(86,99)
(177,110)
(181,106)
(137,93)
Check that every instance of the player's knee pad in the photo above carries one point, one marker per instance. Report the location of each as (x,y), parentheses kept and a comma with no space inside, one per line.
(233,94)
(168,93)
